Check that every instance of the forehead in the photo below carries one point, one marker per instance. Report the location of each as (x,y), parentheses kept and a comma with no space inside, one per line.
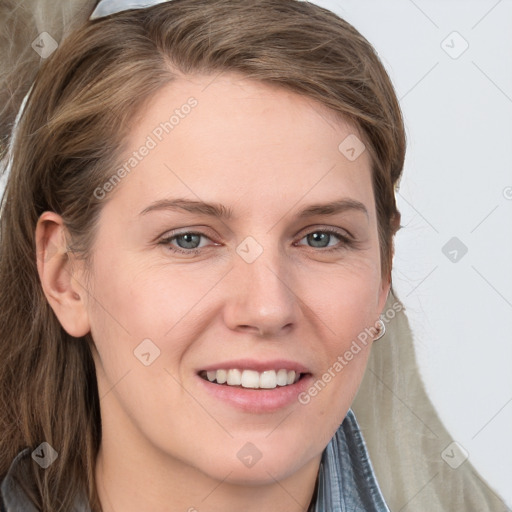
(240,139)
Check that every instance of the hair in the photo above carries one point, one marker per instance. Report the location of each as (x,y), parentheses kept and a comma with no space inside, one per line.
(84,100)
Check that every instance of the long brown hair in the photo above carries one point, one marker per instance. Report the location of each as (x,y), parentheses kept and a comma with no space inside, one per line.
(84,100)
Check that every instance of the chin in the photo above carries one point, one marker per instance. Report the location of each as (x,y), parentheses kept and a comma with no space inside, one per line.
(260,474)
(254,468)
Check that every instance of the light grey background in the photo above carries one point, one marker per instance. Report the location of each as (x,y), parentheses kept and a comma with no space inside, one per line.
(457,182)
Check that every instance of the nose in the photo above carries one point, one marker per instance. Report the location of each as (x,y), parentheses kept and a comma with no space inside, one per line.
(262,299)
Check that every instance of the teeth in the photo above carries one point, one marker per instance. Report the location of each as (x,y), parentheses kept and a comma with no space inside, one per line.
(282,377)
(252,379)
(268,380)
(234,378)
(222,376)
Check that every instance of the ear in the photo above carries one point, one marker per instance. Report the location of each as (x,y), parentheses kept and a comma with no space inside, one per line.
(56,268)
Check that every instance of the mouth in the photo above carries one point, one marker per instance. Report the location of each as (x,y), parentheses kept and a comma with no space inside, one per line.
(252,379)
(255,387)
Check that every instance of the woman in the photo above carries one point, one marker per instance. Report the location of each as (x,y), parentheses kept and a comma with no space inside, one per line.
(196,253)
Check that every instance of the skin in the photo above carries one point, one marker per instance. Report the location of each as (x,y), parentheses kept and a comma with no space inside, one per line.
(266,154)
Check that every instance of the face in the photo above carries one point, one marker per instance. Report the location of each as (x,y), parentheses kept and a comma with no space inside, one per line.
(268,287)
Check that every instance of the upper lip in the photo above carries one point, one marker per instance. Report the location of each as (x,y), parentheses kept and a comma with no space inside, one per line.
(259,366)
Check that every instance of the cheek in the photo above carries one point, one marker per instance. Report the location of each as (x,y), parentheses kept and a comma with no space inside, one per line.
(141,302)
(345,296)
(133,302)
(346,301)
(124,310)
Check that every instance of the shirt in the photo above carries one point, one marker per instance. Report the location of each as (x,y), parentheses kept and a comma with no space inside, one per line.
(346,480)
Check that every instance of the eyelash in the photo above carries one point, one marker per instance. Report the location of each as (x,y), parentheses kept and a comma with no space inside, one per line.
(345,241)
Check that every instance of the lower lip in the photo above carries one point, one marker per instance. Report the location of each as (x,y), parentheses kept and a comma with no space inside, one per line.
(257,400)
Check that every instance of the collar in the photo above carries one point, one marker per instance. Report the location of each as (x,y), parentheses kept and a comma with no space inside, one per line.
(346,479)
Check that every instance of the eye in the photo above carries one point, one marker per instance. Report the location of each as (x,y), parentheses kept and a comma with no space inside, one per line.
(186,243)
(322,238)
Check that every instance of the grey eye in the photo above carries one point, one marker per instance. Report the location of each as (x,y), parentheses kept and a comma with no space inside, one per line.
(319,238)
(190,240)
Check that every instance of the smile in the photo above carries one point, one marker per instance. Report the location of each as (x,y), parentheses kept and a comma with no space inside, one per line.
(252,379)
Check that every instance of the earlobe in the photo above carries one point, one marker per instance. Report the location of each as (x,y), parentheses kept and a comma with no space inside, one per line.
(55,265)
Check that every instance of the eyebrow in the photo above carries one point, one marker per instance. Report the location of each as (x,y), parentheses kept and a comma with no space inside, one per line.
(220,211)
